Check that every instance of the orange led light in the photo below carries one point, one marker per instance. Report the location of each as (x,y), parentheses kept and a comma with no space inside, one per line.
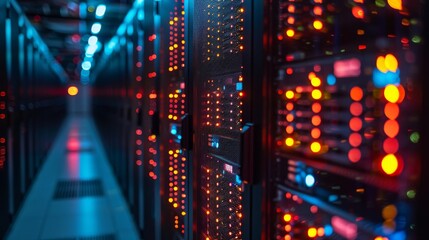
(316,107)
(358,12)
(72,90)
(316,120)
(289,106)
(395,4)
(317,10)
(356,93)
(315,133)
(391,110)
(289,129)
(391,128)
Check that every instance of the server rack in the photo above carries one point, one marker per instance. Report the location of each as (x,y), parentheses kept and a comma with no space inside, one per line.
(30,97)
(175,161)
(226,120)
(126,85)
(346,131)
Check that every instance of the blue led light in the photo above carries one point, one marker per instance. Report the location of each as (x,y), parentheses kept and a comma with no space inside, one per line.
(96,28)
(173,131)
(333,198)
(309,180)
(100,11)
(239,86)
(238,180)
(86,65)
(92,40)
(381,79)
(328,230)
(331,79)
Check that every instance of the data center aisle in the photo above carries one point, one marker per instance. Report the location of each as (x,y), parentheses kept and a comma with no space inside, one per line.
(75,195)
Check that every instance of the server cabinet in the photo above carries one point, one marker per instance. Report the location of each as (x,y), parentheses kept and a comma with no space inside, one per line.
(4,188)
(25,91)
(175,158)
(126,84)
(346,131)
(225,111)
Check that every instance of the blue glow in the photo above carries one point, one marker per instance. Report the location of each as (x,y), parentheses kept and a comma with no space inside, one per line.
(398,236)
(140,15)
(237,179)
(214,142)
(84,73)
(86,65)
(309,180)
(96,28)
(130,30)
(101,10)
(173,130)
(298,178)
(179,137)
(381,79)
(328,230)
(331,79)
(239,86)
(92,40)
(90,49)
(333,198)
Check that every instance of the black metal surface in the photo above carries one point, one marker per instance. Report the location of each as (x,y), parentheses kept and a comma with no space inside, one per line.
(78,188)
(322,157)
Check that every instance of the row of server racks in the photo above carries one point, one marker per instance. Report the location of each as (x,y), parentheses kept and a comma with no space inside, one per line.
(32,107)
(252,119)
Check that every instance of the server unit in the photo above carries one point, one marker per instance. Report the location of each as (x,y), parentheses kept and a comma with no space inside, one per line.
(175,161)
(32,107)
(125,91)
(226,114)
(346,100)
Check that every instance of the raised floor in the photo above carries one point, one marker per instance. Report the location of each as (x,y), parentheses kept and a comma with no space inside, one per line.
(75,195)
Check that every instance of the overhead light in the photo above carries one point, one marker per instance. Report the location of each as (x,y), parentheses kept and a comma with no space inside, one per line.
(92,40)
(101,10)
(86,65)
(91,49)
(96,27)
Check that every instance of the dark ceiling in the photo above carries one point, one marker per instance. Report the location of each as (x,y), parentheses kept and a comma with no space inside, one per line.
(65,26)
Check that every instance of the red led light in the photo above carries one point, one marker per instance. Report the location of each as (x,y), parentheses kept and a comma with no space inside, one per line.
(358,12)
(356,93)
(391,128)
(355,124)
(354,155)
(356,109)
(390,145)
(355,139)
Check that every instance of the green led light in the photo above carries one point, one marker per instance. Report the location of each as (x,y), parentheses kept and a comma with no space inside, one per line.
(415,137)
(416,39)
(380,3)
(411,194)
